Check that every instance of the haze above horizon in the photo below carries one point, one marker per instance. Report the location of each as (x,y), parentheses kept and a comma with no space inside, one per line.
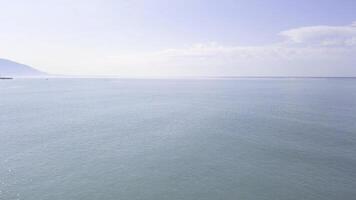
(181,38)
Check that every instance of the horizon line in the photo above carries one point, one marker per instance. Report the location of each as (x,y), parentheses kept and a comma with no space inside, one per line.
(179,77)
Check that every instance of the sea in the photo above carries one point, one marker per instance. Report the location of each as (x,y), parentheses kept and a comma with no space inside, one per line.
(178,139)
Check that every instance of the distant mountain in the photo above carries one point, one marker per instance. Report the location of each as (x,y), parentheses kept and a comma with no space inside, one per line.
(14,69)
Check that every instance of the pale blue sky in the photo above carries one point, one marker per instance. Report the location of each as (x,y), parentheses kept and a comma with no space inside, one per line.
(195,37)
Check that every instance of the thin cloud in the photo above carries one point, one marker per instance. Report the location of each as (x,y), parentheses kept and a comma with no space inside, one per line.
(314,50)
(322,35)
(334,42)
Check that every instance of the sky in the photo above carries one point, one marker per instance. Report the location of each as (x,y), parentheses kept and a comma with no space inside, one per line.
(181,37)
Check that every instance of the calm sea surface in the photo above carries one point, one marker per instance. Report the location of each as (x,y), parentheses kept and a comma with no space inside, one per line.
(116,139)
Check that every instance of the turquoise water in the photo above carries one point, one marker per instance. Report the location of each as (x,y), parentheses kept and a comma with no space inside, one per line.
(247,139)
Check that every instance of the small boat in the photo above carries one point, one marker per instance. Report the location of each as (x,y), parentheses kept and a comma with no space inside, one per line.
(5,78)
